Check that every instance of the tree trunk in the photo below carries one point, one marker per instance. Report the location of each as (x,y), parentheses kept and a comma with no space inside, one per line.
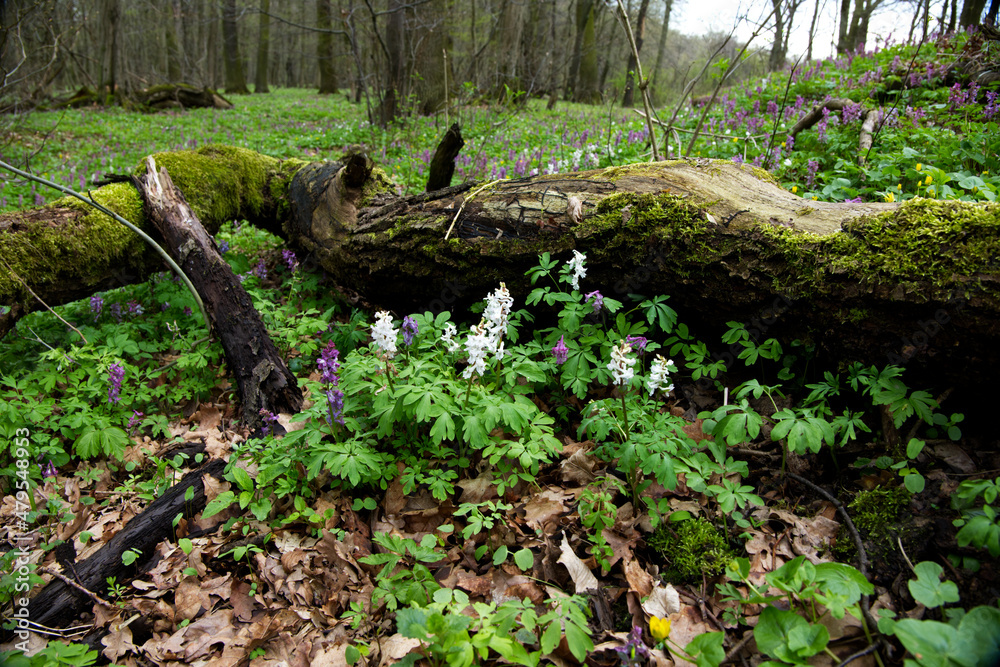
(263,49)
(236,83)
(628,99)
(587,77)
(324,48)
(971,11)
(263,379)
(175,73)
(877,282)
(443,163)
(661,48)
(991,15)
(777,58)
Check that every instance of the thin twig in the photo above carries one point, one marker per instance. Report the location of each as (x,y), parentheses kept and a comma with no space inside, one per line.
(41,301)
(859,545)
(863,652)
(467,200)
(72,584)
(643,85)
(740,645)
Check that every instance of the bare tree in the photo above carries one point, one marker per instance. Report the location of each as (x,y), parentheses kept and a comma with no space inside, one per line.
(660,50)
(263,48)
(853,27)
(324,48)
(972,11)
(236,82)
(640,34)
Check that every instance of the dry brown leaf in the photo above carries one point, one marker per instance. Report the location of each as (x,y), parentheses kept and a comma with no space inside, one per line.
(578,468)
(685,626)
(583,578)
(662,602)
(639,581)
(118,643)
(543,510)
(189,599)
(395,648)
(239,598)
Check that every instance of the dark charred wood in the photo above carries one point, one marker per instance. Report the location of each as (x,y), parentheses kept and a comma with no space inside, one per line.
(263,379)
(443,164)
(58,604)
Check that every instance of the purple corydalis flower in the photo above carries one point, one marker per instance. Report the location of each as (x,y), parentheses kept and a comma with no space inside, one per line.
(260,270)
(134,308)
(335,404)
(223,247)
(598,300)
(409,329)
(638,343)
(115,376)
(560,351)
(290,260)
(116,311)
(133,421)
(48,470)
(164,306)
(634,652)
(188,311)
(267,418)
(328,364)
(96,306)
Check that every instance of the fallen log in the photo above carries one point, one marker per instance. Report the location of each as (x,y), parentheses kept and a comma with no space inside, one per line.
(154,98)
(58,603)
(881,283)
(263,379)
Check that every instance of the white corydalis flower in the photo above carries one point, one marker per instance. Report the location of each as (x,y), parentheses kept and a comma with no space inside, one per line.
(476,345)
(384,334)
(498,307)
(621,364)
(448,337)
(576,266)
(659,377)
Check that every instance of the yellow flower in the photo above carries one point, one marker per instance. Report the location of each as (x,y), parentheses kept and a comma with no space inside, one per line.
(919,166)
(795,189)
(735,139)
(986,173)
(899,186)
(659,628)
(890,197)
(815,198)
(783,144)
(927,181)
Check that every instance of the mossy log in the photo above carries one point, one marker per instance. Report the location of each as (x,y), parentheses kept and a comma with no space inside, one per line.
(914,283)
(154,98)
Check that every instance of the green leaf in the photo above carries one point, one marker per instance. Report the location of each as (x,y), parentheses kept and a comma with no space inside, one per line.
(706,649)
(914,482)
(979,633)
(221,502)
(933,643)
(787,636)
(928,589)
(500,555)
(242,479)
(185,545)
(524,559)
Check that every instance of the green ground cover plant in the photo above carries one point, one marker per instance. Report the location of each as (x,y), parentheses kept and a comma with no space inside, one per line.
(464,420)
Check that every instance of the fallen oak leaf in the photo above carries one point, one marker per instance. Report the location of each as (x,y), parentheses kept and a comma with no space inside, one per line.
(583,579)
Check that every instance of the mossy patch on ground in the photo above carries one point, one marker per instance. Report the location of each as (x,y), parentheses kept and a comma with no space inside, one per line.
(691,548)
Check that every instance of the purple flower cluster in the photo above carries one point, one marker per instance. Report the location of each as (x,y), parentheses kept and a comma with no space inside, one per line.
(115,376)
(223,247)
(328,366)
(409,329)
(267,418)
(133,422)
(96,306)
(638,343)
(288,256)
(812,166)
(635,652)
(992,108)
(598,300)
(134,308)
(560,351)
(260,270)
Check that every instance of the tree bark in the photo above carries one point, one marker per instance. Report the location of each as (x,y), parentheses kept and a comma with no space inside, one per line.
(263,49)
(628,98)
(661,47)
(443,163)
(324,48)
(236,83)
(263,379)
(877,282)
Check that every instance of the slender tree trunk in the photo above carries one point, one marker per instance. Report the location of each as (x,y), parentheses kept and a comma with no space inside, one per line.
(843,25)
(174,69)
(263,48)
(661,48)
(991,15)
(640,33)
(925,22)
(324,48)
(777,59)
(812,30)
(587,77)
(236,82)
